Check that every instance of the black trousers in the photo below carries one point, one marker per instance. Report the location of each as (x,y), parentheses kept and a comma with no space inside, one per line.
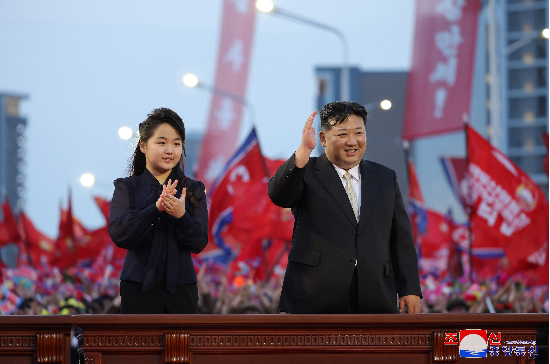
(354,293)
(158,300)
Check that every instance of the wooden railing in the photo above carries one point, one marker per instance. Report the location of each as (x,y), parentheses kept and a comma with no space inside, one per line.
(35,339)
(281,339)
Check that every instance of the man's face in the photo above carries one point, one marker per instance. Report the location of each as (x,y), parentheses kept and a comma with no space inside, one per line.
(345,143)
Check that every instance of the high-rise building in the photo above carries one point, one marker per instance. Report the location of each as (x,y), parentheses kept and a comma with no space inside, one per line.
(192,147)
(12,150)
(525,85)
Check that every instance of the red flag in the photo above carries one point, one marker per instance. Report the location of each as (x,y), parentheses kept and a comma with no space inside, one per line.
(79,230)
(276,256)
(9,301)
(255,217)
(438,93)
(89,247)
(66,240)
(104,206)
(282,219)
(415,193)
(458,263)
(545,161)
(262,228)
(40,246)
(541,273)
(246,166)
(455,171)
(272,165)
(508,210)
(249,263)
(224,118)
(435,244)
(416,206)
(8,226)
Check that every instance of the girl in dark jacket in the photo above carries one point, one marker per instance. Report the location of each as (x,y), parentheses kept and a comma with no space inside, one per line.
(160,217)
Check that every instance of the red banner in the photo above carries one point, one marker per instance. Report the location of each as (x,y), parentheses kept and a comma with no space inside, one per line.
(255,217)
(508,210)
(224,120)
(104,206)
(438,93)
(8,225)
(545,162)
(246,165)
(40,247)
(67,237)
(435,244)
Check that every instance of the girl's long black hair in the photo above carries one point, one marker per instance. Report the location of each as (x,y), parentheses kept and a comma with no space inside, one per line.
(137,162)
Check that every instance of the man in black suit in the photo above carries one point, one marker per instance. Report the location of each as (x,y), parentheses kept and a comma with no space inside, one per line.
(352,246)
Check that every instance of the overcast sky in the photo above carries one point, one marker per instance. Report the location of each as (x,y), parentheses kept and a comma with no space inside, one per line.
(91,67)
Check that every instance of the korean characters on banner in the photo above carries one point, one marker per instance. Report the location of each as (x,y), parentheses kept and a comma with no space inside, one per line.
(447,42)
(507,209)
(438,94)
(496,201)
(480,344)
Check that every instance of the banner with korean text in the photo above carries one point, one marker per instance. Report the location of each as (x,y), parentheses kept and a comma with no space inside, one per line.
(438,91)
(508,210)
(224,120)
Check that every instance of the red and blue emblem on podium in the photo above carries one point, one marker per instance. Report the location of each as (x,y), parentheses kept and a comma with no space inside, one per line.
(473,343)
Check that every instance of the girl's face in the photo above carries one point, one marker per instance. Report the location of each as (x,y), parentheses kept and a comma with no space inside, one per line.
(162,151)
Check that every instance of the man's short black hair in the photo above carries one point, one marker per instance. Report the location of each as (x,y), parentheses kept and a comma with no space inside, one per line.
(338,111)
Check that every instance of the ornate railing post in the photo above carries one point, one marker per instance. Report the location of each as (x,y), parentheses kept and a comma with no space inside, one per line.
(176,347)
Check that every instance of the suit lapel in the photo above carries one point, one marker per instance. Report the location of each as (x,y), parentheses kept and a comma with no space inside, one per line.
(370,184)
(329,178)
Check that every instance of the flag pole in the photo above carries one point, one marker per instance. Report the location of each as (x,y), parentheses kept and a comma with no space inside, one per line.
(470,254)
(406,147)
(283,251)
(266,170)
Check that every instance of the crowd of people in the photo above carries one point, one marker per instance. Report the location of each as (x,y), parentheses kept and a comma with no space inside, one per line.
(73,293)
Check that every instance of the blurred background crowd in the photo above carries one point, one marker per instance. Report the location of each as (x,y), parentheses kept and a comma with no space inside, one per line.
(75,294)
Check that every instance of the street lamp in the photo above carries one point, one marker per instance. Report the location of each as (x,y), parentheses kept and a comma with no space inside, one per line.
(87,180)
(384,105)
(125,133)
(190,80)
(267,6)
(528,38)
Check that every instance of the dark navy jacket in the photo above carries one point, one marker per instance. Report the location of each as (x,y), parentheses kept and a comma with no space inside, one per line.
(156,242)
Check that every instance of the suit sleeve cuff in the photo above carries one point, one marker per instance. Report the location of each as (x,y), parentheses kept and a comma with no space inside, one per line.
(186,222)
(294,171)
(150,214)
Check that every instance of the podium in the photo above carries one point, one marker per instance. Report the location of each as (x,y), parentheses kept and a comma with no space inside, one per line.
(281,339)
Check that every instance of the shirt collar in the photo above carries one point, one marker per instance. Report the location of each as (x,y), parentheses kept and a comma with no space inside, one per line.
(152,179)
(353,171)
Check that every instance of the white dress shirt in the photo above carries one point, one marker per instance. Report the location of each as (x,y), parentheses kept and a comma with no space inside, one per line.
(355,181)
